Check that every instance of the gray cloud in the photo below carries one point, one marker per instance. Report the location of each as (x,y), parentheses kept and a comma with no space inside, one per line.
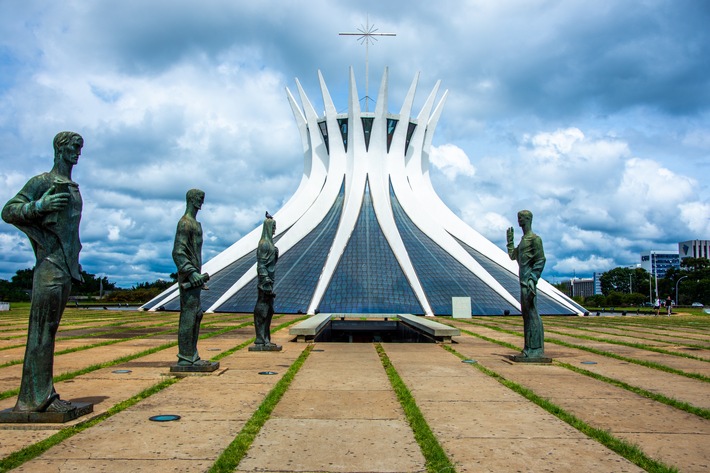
(593,114)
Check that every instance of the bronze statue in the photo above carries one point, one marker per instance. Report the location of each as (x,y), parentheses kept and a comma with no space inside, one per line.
(187,254)
(266,256)
(531,261)
(48,211)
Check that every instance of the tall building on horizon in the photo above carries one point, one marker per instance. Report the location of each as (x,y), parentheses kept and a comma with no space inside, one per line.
(365,232)
(658,262)
(694,249)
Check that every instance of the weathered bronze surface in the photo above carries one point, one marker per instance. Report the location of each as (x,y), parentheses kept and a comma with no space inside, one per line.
(531,261)
(48,210)
(187,254)
(266,256)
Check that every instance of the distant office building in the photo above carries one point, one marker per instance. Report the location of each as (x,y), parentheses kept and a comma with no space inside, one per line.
(597,283)
(694,249)
(658,262)
(580,287)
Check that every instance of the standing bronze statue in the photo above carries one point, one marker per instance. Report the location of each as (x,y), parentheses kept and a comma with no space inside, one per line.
(48,210)
(266,256)
(531,261)
(187,254)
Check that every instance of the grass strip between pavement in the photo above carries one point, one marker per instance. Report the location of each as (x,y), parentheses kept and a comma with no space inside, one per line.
(434,455)
(647,364)
(19,457)
(627,450)
(123,359)
(26,454)
(669,401)
(233,454)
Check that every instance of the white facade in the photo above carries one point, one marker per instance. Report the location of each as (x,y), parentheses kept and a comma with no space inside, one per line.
(365,231)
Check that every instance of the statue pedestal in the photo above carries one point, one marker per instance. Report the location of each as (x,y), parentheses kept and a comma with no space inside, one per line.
(206,367)
(8,416)
(526,359)
(268,347)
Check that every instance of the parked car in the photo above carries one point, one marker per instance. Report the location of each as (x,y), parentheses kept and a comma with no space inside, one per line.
(696,304)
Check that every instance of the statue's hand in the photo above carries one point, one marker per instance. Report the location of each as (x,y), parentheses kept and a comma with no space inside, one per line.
(51,202)
(531,284)
(195,279)
(510,235)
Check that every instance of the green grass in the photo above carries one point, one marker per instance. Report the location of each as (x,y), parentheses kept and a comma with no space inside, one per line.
(233,454)
(19,457)
(627,450)
(684,406)
(434,455)
(647,364)
(123,359)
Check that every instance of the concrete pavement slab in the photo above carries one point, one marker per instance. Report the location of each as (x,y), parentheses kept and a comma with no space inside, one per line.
(334,445)
(338,404)
(535,455)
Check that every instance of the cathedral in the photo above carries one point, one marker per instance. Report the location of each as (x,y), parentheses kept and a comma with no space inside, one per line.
(365,232)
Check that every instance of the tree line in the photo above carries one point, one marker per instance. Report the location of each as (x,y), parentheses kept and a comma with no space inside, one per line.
(19,288)
(635,286)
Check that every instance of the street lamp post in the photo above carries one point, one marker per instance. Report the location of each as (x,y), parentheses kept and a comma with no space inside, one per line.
(676,289)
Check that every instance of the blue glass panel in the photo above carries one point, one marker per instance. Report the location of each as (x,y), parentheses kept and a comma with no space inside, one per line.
(343,124)
(324,131)
(152,304)
(441,275)
(391,126)
(367,128)
(297,270)
(368,278)
(410,131)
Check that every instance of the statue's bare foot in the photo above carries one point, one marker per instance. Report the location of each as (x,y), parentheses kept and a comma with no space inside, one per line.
(60,406)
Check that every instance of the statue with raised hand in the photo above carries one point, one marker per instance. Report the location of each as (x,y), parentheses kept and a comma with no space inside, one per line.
(531,260)
(48,210)
(187,254)
(266,256)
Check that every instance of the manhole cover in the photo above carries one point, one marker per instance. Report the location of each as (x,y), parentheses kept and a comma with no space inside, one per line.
(121,371)
(164,418)
(589,362)
(469,361)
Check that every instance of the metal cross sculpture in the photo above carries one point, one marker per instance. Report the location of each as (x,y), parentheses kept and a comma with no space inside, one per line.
(367,35)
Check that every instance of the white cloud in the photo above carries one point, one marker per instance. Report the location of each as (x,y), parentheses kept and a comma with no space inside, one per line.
(592,264)
(605,143)
(451,160)
(696,215)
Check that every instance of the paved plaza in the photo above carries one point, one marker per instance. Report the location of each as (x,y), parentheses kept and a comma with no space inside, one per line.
(624,394)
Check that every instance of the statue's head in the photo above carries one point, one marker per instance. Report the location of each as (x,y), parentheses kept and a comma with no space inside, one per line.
(195,197)
(67,145)
(269,227)
(525,216)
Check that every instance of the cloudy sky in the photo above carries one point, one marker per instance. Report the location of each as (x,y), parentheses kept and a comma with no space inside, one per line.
(594,115)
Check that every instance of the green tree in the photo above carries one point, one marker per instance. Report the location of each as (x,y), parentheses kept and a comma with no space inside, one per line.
(92,285)
(23,279)
(692,280)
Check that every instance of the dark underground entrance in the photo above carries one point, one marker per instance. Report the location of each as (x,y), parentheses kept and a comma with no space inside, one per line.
(371,331)
(372,328)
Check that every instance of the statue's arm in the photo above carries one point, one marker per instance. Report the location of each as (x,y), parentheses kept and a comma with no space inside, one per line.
(35,200)
(182,251)
(512,250)
(538,261)
(26,206)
